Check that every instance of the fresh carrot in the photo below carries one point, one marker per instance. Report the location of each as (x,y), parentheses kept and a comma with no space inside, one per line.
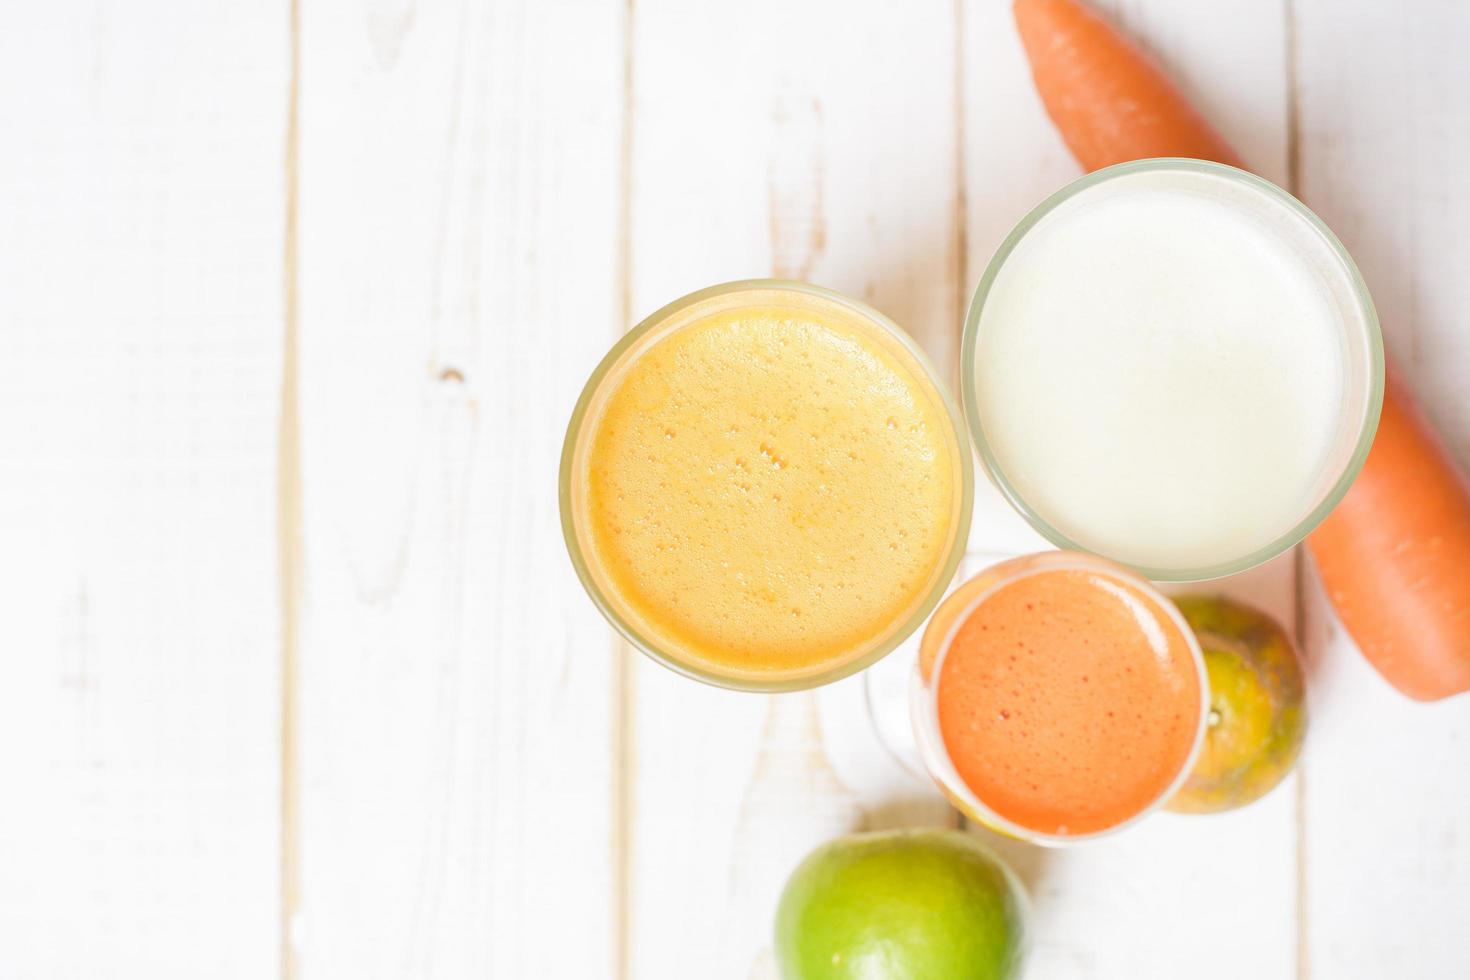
(1111,103)
(1394,555)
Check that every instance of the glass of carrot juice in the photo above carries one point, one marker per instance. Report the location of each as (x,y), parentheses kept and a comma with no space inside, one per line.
(1058,698)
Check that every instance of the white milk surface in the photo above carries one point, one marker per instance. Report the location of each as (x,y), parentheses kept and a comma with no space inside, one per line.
(1160,368)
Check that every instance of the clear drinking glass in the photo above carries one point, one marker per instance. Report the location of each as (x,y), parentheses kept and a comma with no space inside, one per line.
(1360,339)
(934,646)
(878,329)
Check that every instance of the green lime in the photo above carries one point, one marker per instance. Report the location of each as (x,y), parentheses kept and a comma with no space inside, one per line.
(901,905)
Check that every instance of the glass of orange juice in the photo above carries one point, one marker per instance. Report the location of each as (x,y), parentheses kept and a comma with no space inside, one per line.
(765,486)
(1058,698)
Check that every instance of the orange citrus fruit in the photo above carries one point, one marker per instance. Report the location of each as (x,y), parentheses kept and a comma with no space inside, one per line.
(1257,714)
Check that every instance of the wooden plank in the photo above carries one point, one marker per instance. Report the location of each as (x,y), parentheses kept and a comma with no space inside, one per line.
(1384,147)
(460,187)
(775,139)
(1177,896)
(141,197)
(1175,893)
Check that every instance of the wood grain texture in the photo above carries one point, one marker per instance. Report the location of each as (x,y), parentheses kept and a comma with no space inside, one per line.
(459,249)
(1177,896)
(140,325)
(802,142)
(1384,153)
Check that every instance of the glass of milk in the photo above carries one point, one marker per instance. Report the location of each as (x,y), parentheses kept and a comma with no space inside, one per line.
(1173,364)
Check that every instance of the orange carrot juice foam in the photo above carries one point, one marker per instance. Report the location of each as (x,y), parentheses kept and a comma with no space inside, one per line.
(1066,695)
(770,488)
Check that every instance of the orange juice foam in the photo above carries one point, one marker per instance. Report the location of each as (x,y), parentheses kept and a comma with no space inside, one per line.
(771,490)
(1069,701)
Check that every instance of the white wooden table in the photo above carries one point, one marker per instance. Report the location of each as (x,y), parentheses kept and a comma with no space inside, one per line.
(295,299)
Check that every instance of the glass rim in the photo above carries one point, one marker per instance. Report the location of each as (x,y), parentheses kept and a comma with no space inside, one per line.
(901,631)
(969,343)
(926,710)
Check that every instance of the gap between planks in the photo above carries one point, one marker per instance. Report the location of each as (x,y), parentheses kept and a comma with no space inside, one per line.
(288,514)
(961,193)
(623,745)
(1299,562)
